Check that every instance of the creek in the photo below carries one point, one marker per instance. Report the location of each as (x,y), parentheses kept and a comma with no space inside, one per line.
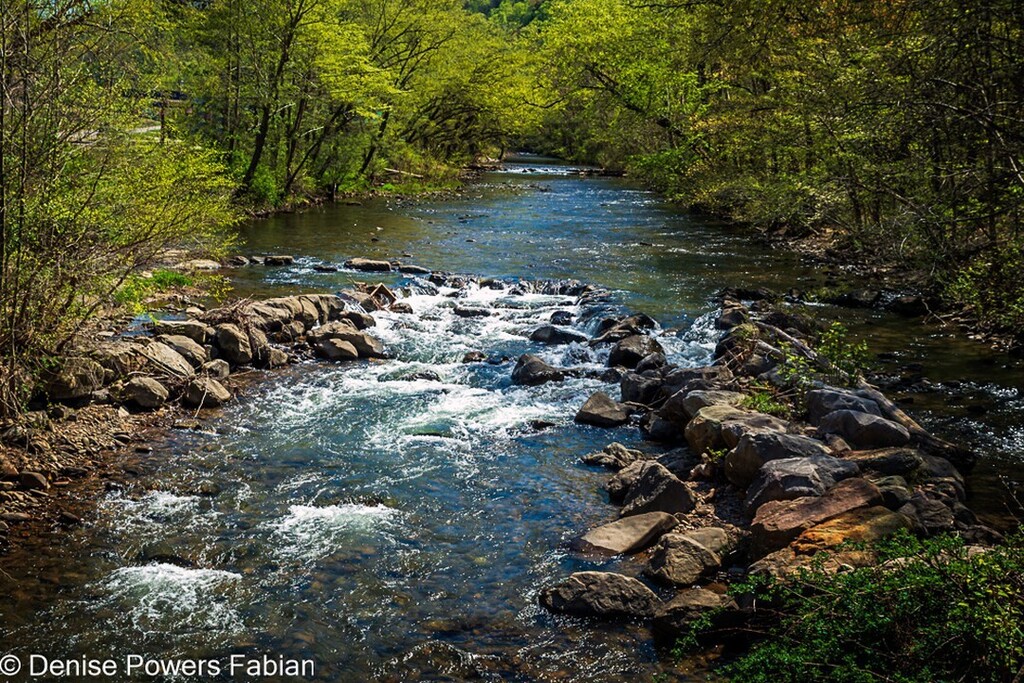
(392,524)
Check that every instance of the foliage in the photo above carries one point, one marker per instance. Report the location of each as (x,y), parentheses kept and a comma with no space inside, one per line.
(892,128)
(766,400)
(930,610)
(137,287)
(847,361)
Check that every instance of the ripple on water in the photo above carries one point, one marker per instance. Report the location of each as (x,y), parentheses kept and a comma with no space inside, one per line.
(309,532)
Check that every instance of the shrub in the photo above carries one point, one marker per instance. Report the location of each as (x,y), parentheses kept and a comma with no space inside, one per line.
(932,610)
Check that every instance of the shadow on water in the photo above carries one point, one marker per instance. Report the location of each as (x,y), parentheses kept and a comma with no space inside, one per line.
(395,526)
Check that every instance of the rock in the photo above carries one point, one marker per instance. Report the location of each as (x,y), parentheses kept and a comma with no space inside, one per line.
(615,456)
(365,344)
(863,430)
(600,594)
(234,344)
(631,350)
(218,368)
(471,311)
(77,378)
(561,318)
(197,331)
(754,449)
(895,491)
(601,410)
(696,379)
(337,349)
(199,264)
(778,523)
(401,307)
(694,401)
(731,317)
(206,392)
(278,260)
(549,334)
(618,486)
(238,261)
(474,357)
(788,564)
(67,519)
(722,426)
(888,461)
(360,320)
(657,490)
(190,350)
(821,402)
(864,525)
(639,389)
(629,534)
(655,361)
(146,392)
(857,298)
(532,371)
(933,516)
(368,265)
(909,306)
(33,481)
(276,358)
(674,618)
(680,560)
(409,269)
(161,359)
(791,478)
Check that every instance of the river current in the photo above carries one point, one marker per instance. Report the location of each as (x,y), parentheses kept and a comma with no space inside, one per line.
(394,521)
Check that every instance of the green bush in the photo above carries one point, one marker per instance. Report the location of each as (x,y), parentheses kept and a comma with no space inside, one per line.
(932,610)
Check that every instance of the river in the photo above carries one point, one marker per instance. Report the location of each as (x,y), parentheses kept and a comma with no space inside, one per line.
(392,525)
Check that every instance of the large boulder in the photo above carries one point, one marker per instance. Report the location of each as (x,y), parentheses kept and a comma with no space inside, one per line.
(234,344)
(368,265)
(601,410)
(791,478)
(146,392)
(197,331)
(189,349)
(754,449)
(657,490)
(887,461)
(778,523)
(629,534)
(77,378)
(864,430)
(163,360)
(532,371)
(631,350)
(359,319)
(366,345)
(206,392)
(863,525)
(722,426)
(694,401)
(600,594)
(120,357)
(821,402)
(637,388)
(549,334)
(681,558)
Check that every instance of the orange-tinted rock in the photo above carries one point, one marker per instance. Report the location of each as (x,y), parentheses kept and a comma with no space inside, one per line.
(864,525)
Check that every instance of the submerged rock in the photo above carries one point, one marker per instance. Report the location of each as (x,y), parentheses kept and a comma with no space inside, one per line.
(600,594)
(615,456)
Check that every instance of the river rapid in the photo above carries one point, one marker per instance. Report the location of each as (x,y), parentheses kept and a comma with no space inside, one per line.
(394,521)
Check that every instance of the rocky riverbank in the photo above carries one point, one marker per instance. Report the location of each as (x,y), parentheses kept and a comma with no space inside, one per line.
(745,493)
(733,484)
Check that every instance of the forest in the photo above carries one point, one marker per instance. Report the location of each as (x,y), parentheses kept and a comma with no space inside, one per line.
(891,129)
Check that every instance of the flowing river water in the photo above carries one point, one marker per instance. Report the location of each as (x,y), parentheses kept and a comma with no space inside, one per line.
(394,525)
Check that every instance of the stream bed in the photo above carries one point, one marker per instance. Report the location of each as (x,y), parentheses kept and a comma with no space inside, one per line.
(394,521)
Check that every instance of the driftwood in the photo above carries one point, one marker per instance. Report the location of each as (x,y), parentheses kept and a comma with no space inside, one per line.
(961,457)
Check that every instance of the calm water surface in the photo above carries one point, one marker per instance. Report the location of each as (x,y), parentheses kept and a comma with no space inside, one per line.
(393,528)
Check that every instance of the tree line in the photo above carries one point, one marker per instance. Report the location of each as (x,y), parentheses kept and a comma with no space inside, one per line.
(131,127)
